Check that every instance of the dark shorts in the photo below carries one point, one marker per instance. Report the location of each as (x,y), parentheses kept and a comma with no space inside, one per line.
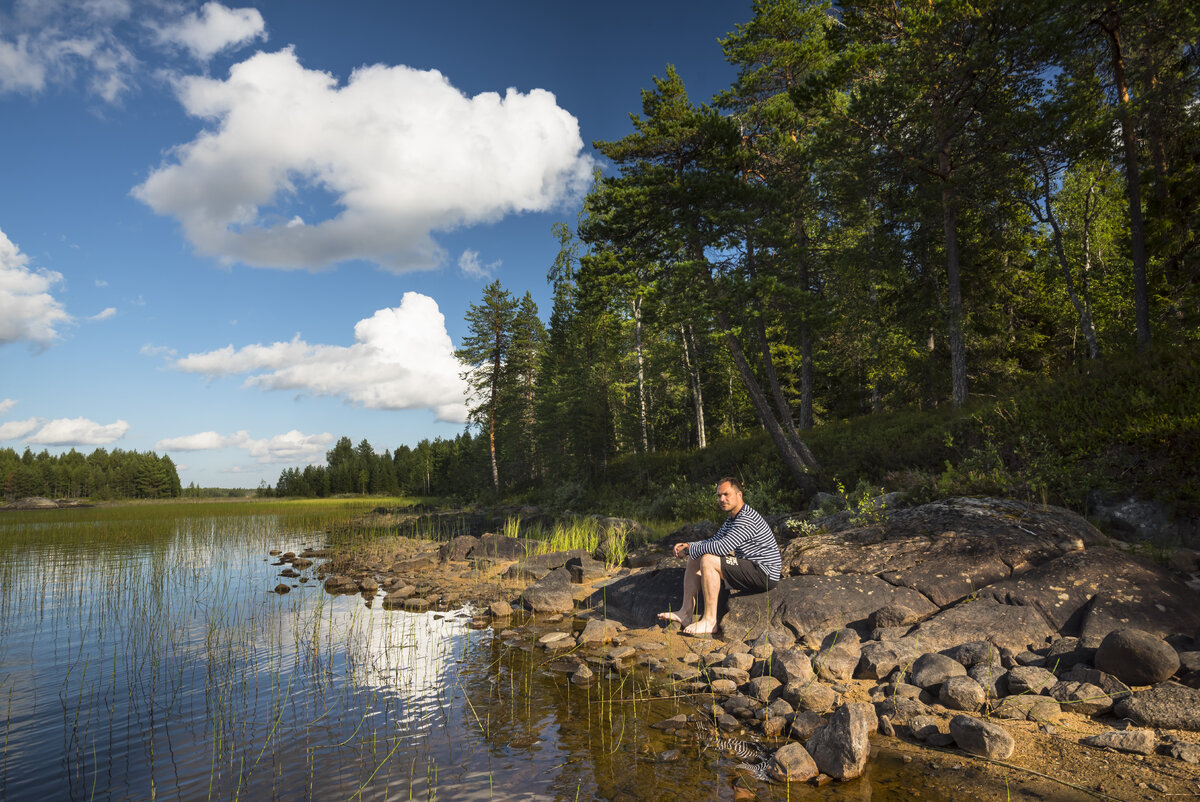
(745,575)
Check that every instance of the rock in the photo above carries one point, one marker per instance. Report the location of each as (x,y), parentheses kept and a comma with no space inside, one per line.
(740,661)
(598,631)
(893,615)
(1113,687)
(1137,742)
(992,678)
(975,652)
(842,746)
(282,589)
(539,565)
(791,665)
(458,548)
(764,689)
(773,726)
(811,695)
(502,547)
(838,657)
(551,594)
(922,727)
(738,675)
(500,609)
(33,503)
(812,606)
(1136,657)
(879,659)
(983,738)
(585,569)
(792,763)
(931,670)
(417,604)
(1006,626)
(722,687)
(340,584)
(1133,519)
(1083,698)
(1186,751)
(1168,706)
(583,675)
(1030,707)
(804,724)
(368,585)
(674,723)
(1029,679)
(1065,653)
(901,709)
(962,693)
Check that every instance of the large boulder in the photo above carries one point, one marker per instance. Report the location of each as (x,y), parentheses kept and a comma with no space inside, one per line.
(1007,626)
(839,656)
(637,599)
(983,738)
(841,747)
(1168,706)
(459,548)
(1136,657)
(930,670)
(502,547)
(551,594)
(539,565)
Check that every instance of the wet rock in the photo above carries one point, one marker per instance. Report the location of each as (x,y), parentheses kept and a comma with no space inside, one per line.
(340,584)
(583,675)
(417,604)
(841,748)
(983,738)
(1136,657)
(962,693)
(598,631)
(1167,705)
(550,594)
(282,589)
(1029,679)
(886,728)
(792,763)
(674,723)
(838,657)
(299,563)
(879,659)
(458,548)
(368,585)
(500,609)
(1136,742)
(931,670)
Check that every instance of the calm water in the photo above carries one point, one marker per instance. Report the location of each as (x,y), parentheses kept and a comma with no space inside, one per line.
(161,666)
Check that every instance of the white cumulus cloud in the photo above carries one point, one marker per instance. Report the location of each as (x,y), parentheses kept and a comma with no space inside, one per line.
(292,446)
(16,429)
(402,358)
(104,314)
(213,29)
(400,153)
(6,405)
(27,309)
(78,432)
(470,265)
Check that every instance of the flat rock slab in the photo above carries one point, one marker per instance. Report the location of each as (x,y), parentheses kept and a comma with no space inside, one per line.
(637,599)
(1007,626)
(1096,591)
(813,606)
(1168,706)
(539,565)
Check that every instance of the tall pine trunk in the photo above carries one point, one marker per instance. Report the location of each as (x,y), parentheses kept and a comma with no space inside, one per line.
(958,351)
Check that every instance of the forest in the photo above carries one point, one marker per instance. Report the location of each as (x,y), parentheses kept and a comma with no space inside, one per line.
(911,210)
(100,475)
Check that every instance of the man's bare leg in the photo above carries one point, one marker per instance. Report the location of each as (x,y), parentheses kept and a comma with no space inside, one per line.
(710,582)
(691,584)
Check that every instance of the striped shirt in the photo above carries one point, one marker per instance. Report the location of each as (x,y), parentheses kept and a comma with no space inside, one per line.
(745,535)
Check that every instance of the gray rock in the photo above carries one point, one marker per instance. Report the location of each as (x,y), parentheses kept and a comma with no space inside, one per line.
(791,665)
(539,565)
(879,659)
(764,689)
(838,657)
(550,594)
(583,675)
(1111,686)
(1186,751)
(1065,653)
(893,615)
(1029,679)
(962,693)
(741,661)
(993,679)
(598,631)
(1083,698)
(585,569)
(923,727)
(983,738)
(841,747)
(931,670)
(1030,707)
(804,724)
(970,654)
(498,609)
(1168,706)
(458,548)
(901,709)
(1136,657)
(811,695)
(502,547)
(1005,625)
(1137,742)
(1133,519)
(792,763)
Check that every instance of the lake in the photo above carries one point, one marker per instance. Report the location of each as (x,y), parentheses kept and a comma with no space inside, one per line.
(145,655)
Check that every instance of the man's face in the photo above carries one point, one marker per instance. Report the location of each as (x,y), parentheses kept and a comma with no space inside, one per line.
(728,497)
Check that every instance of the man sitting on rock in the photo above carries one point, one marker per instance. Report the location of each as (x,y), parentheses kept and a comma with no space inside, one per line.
(743,554)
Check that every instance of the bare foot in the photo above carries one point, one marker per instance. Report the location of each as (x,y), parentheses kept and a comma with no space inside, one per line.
(700,627)
(671,617)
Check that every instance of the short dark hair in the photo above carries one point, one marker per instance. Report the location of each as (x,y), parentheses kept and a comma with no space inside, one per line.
(734,483)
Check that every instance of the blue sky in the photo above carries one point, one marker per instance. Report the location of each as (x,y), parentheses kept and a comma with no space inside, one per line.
(234,233)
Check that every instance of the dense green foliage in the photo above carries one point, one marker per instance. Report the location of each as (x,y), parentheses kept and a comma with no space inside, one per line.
(947,246)
(100,475)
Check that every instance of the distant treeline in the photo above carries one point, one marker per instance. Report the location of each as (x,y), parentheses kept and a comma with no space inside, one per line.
(434,467)
(100,475)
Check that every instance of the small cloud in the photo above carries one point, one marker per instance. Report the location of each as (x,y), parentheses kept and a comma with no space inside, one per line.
(293,446)
(213,29)
(6,405)
(101,282)
(104,314)
(16,429)
(78,432)
(156,350)
(470,266)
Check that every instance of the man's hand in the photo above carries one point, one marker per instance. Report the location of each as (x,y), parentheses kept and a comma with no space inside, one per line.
(681,549)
